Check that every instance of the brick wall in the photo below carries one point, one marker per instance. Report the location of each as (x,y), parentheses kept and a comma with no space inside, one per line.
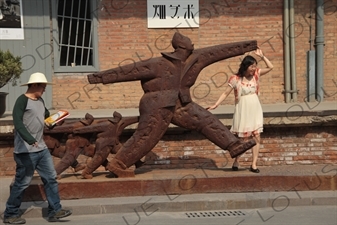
(123,34)
(188,149)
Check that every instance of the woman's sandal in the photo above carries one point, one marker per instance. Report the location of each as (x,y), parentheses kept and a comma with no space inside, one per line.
(254,170)
(235,167)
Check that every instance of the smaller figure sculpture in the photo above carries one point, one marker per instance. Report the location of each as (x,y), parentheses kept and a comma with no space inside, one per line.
(107,140)
(74,146)
(78,141)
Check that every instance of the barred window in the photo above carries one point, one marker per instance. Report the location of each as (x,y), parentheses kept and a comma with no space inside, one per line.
(75,36)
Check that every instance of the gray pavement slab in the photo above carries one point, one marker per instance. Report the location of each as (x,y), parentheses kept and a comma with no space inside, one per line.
(305,215)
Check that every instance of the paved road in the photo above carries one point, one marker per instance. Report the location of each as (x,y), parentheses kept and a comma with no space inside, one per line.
(299,215)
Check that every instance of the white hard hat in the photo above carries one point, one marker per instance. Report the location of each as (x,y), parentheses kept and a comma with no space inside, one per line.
(37,78)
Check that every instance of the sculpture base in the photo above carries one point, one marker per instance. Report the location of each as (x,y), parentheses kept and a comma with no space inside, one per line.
(191,181)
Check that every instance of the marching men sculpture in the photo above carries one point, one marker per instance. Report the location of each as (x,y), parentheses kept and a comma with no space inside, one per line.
(166,82)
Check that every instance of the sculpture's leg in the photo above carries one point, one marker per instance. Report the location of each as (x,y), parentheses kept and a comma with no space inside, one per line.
(58,152)
(89,150)
(68,160)
(116,148)
(74,147)
(194,117)
(139,164)
(105,163)
(152,125)
(99,159)
(77,166)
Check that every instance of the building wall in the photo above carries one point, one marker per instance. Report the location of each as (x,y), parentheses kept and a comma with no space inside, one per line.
(124,36)
(35,49)
(185,149)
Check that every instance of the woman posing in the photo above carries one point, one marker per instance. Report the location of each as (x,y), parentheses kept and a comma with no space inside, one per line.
(248,115)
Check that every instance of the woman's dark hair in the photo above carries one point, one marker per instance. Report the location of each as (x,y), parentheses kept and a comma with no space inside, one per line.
(246,62)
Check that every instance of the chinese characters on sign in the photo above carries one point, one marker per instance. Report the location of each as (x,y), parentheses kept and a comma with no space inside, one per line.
(173,13)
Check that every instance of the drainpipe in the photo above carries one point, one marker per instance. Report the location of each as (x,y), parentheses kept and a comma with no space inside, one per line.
(292,51)
(319,42)
(311,65)
(286,51)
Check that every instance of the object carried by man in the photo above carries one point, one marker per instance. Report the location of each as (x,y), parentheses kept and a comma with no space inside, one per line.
(56,117)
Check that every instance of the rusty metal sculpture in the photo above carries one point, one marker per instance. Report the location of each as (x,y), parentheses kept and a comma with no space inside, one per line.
(106,133)
(74,146)
(107,140)
(166,82)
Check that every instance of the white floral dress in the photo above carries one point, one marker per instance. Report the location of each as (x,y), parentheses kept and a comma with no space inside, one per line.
(248,114)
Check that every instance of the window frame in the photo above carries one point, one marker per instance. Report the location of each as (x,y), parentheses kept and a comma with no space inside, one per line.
(55,39)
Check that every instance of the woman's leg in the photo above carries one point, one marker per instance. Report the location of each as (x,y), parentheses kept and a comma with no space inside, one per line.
(255,155)
(255,151)
(236,164)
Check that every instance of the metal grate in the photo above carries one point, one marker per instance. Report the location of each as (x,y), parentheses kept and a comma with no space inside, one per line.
(214,214)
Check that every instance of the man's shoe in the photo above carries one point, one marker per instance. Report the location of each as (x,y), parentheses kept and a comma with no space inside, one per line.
(60,214)
(14,220)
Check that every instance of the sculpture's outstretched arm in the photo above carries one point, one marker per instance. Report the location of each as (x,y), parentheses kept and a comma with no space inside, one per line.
(130,72)
(206,56)
(212,54)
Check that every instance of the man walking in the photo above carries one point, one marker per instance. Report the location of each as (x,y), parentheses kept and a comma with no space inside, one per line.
(31,152)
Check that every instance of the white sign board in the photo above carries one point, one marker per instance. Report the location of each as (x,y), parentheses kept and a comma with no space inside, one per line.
(11,20)
(172,14)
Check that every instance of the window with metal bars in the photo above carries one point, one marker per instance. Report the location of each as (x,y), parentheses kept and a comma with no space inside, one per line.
(75,36)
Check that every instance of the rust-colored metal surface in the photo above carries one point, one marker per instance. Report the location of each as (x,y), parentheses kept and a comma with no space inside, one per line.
(74,145)
(79,134)
(107,140)
(166,82)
